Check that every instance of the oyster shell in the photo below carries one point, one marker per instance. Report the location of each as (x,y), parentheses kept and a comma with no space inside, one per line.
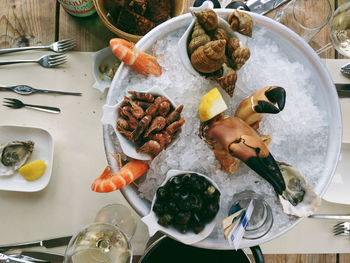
(14,155)
(210,57)
(299,198)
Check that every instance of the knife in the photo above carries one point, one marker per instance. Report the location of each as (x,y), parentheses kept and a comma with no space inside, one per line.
(336,217)
(264,6)
(7,258)
(343,89)
(261,6)
(48,243)
(51,257)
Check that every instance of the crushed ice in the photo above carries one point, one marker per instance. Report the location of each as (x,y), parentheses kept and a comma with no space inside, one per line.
(298,133)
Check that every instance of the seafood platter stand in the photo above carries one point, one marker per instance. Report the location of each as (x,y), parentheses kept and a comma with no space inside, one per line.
(74,144)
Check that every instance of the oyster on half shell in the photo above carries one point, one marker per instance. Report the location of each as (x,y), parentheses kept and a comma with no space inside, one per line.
(302,199)
(14,155)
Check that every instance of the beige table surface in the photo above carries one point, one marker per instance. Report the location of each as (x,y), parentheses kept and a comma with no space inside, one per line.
(67,203)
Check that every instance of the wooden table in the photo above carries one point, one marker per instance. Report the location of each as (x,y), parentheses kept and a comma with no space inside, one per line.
(35,22)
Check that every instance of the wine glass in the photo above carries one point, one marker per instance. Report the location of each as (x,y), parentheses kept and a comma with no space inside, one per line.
(120,216)
(340,31)
(305,17)
(261,219)
(105,241)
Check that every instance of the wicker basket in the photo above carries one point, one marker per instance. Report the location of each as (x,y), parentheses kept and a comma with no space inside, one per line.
(103,6)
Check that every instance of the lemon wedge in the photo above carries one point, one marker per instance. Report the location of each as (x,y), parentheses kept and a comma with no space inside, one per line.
(211,105)
(33,171)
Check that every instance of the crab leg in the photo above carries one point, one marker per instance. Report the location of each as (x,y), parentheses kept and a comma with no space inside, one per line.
(241,141)
(270,99)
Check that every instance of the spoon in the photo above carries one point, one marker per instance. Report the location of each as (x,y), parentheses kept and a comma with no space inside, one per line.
(27,90)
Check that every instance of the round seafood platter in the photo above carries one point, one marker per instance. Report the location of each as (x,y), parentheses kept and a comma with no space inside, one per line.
(306,135)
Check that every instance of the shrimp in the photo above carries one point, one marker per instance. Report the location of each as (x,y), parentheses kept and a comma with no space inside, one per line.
(108,181)
(139,61)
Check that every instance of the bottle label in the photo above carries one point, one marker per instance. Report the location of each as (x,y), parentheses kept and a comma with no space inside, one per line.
(80,8)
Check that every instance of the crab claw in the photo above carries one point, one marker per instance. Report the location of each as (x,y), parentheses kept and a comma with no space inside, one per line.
(270,99)
(241,141)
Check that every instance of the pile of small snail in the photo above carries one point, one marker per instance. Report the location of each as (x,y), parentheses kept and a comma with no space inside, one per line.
(211,50)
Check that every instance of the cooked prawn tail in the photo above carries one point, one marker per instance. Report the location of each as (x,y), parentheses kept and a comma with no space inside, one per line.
(154,59)
(108,181)
(146,65)
(139,61)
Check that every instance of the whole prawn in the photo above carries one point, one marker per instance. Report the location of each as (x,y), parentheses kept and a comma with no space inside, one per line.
(139,61)
(108,181)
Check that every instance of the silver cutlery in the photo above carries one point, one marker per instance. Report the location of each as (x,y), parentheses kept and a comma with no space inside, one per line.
(27,90)
(45,256)
(345,70)
(47,61)
(17,104)
(59,46)
(342,228)
(48,243)
(261,6)
(343,89)
(29,258)
(8,258)
(336,217)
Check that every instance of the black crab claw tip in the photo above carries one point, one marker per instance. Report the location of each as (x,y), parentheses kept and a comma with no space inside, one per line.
(269,170)
(266,107)
(277,95)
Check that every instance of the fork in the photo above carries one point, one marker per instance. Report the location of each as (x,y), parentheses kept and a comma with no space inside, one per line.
(27,90)
(47,61)
(59,46)
(17,104)
(342,228)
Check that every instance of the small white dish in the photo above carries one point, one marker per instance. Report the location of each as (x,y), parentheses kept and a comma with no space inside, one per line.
(151,220)
(111,115)
(338,189)
(184,40)
(43,150)
(103,57)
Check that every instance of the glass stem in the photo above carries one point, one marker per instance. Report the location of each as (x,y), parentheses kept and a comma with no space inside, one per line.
(324,48)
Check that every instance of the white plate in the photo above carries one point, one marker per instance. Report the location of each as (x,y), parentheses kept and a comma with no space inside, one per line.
(102,57)
(111,115)
(184,40)
(338,190)
(43,150)
(151,220)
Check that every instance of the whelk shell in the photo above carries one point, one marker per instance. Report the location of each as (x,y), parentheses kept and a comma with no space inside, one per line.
(210,57)
(240,56)
(228,80)
(208,19)
(236,54)
(220,33)
(199,38)
(241,22)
